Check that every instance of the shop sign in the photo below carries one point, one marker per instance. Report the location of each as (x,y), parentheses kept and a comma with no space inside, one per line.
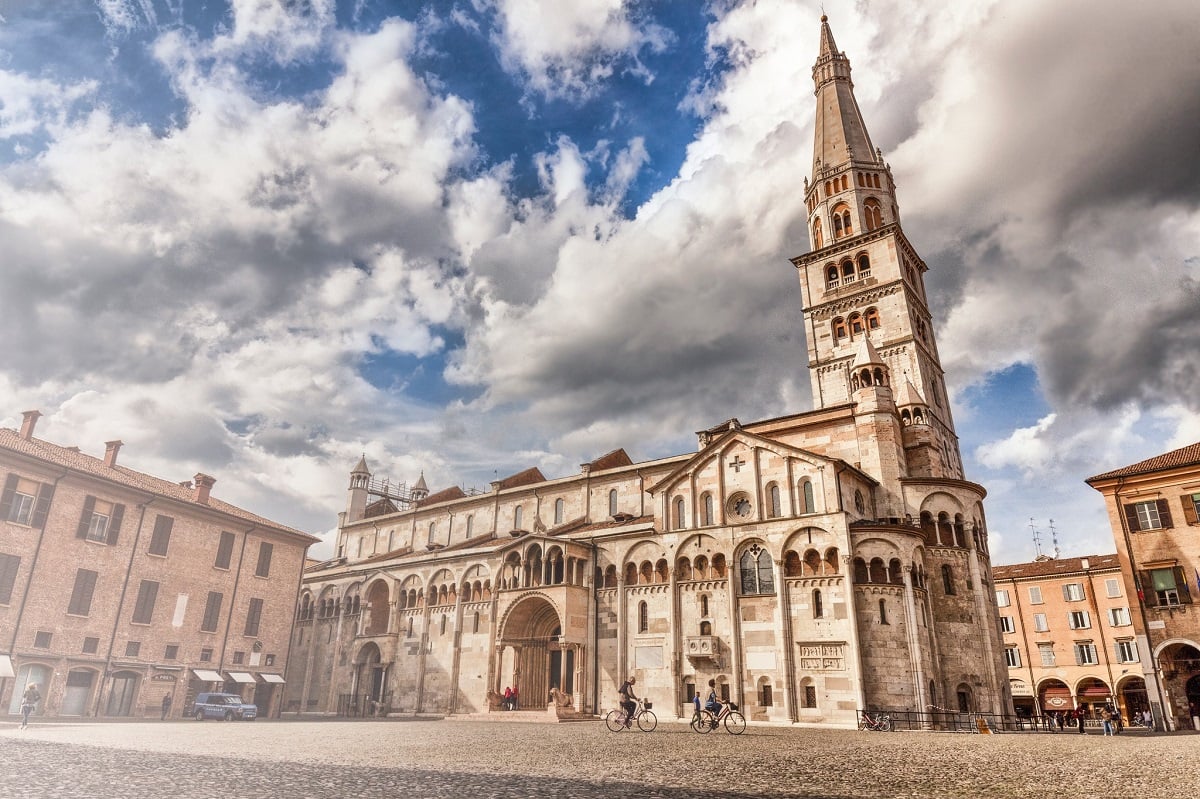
(163,678)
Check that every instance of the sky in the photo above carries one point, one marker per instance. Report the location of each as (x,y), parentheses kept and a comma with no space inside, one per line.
(260,239)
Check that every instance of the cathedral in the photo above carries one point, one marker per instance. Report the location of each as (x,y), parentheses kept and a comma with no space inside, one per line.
(813,564)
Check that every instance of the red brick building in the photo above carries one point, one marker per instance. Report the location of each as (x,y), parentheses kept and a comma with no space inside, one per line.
(118,588)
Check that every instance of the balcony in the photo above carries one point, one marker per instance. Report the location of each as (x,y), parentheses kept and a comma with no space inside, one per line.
(702,646)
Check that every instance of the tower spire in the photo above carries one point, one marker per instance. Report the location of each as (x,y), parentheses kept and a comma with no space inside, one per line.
(841,135)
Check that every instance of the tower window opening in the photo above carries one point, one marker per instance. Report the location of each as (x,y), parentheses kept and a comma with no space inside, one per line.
(839,328)
(871,317)
(864,266)
(875,181)
(872,214)
(828,188)
(856,323)
(818,239)
(847,271)
(831,277)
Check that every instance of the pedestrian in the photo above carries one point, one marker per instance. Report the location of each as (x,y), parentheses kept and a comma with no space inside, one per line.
(514,698)
(1081,716)
(1059,720)
(29,701)
(508,698)
(1106,720)
(166,705)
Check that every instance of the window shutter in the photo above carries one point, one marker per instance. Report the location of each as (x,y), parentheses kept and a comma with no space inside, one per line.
(1164,513)
(1146,591)
(114,524)
(8,576)
(89,505)
(6,499)
(1066,593)
(1189,509)
(1181,583)
(1131,517)
(45,495)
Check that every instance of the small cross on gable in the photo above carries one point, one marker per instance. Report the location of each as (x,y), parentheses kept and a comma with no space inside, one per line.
(737,463)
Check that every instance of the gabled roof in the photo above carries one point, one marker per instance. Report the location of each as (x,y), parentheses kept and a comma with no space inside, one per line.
(865,354)
(77,461)
(445,495)
(530,475)
(1049,567)
(1175,459)
(611,460)
(380,507)
(719,442)
(909,395)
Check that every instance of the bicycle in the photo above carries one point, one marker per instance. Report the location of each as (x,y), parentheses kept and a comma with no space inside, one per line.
(880,722)
(705,720)
(616,720)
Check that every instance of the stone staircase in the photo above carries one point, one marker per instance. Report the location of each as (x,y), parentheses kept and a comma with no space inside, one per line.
(548,716)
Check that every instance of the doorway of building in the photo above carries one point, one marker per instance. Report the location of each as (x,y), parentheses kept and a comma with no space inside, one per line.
(79,688)
(531,635)
(122,694)
(30,673)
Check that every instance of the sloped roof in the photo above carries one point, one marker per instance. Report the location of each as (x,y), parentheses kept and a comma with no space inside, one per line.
(1175,459)
(618,457)
(445,495)
(1052,566)
(77,461)
(530,475)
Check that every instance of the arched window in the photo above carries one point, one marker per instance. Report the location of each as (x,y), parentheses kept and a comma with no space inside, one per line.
(432,532)
(818,608)
(706,628)
(792,565)
(612,502)
(831,277)
(756,572)
(871,318)
(774,508)
(841,221)
(518,517)
(856,323)
(839,328)
(408,630)
(443,630)
(475,623)
(818,239)
(872,214)
(559,507)
(470,524)
(948,579)
(680,519)
(864,267)
(847,271)
(708,509)
(883,619)
(808,504)
(704,604)
(643,617)
(828,188)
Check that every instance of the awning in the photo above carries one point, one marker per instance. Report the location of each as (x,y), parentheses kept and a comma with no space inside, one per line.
(6,669)
(276,678)
(208,676)
(241,676)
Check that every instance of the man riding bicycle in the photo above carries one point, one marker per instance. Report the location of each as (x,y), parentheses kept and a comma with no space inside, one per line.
(628,700)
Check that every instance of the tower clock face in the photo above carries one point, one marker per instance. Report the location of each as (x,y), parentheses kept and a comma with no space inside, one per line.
(741,508)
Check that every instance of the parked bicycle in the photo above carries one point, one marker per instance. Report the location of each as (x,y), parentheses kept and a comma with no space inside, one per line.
(705,720)
(879,722)
(645,718)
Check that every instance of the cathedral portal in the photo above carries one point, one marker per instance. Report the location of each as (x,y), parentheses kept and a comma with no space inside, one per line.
(529,657)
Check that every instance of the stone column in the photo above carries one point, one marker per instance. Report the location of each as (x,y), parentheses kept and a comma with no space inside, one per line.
(914,646)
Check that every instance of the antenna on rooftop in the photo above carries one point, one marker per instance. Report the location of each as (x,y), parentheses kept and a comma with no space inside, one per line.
(1054,538)
(1037,541)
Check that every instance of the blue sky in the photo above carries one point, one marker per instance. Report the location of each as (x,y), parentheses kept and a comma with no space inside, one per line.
(471,237)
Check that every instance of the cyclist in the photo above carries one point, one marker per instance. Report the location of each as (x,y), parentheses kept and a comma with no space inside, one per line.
(628,700)
(713,704)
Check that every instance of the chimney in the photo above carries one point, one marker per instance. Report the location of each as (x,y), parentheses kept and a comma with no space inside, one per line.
(27,425)
(111,448)
(204,485)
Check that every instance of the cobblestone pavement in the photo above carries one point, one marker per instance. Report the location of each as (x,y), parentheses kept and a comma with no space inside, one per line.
(471,760)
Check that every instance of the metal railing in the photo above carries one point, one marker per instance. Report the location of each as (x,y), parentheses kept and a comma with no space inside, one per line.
(363,705)
(951,721)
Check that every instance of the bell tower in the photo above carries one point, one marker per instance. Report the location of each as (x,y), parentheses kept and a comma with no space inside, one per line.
(863,279)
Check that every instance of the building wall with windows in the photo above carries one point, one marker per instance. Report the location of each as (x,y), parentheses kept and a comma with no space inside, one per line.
(117,587)
(1154,509)
(1068,636)
(811,565)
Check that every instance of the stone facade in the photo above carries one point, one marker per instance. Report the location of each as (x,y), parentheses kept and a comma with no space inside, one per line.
(811,565)
(117,587)
(1154,509)
(1069,637)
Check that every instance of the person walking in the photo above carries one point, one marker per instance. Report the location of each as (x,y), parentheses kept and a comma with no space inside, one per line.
(29,701)
(1106,720)
(166,705)
(1080,717)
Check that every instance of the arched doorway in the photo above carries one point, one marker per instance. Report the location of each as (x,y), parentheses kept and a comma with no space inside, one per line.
(1054,696)
(530,651)
(1092,695)
(79,688)
(1134,701)
(121,695)
(372,674)
(1180,664)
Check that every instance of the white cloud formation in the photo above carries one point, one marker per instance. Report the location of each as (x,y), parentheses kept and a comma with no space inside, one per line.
(564,49)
